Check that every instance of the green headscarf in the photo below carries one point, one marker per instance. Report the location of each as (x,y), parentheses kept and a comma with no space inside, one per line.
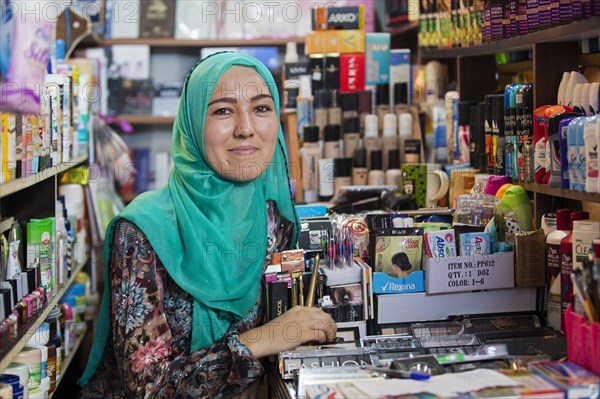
(210,233)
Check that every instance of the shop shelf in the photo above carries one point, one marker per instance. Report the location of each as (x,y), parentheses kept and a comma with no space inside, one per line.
(6,224)
(14,186)
(559,192)
(204,42)
(565,33)
(12,346)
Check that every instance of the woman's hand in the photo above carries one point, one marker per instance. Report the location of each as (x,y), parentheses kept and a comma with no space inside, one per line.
(297,326)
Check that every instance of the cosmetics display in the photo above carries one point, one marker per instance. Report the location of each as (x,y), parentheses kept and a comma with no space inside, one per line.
(447,192)
(467,23)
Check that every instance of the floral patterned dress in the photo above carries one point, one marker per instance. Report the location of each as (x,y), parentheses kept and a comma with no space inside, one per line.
(148,353)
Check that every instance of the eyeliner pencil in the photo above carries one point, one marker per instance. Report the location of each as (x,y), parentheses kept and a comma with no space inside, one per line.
(312,288)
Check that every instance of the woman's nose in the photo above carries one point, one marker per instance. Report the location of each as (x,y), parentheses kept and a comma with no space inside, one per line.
(244,127)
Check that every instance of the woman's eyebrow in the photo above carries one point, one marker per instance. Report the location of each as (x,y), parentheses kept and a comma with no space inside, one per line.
(260,97)
(231,100)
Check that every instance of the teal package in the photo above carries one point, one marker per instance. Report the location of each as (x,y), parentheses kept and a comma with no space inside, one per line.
(377,60)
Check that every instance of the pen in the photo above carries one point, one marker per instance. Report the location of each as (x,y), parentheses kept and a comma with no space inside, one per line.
(413,375)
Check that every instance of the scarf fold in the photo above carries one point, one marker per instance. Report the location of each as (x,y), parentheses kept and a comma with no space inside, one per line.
(209,233)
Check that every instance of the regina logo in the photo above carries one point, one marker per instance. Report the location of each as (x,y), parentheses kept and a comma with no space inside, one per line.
(340,18)
(389,286)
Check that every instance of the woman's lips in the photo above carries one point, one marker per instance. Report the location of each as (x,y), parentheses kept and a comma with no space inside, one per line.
(244,150)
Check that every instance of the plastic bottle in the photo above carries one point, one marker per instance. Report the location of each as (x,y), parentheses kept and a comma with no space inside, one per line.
(581,156)
(566,266)
(572,155)
(405,131)
(591,153)
(304,105)
(371,140)
(562,88)
(376,174)
(351,136)
(594,98)
(390,137)
(310,154)
(360,172)
(553,269)
(393,175)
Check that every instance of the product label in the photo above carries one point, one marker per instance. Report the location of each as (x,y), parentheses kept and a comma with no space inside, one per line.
(566,291)
(468,273)
(35,375)
(540,155)
(552,264)
(573,175)
(581,169)
(592,162)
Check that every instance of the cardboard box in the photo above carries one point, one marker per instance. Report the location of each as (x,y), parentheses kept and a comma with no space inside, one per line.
(352,72)
(378,58)
(350,41)
(470,273)
(385,284)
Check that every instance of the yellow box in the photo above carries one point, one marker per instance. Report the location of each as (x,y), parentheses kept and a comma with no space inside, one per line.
(350,41)
(316,42)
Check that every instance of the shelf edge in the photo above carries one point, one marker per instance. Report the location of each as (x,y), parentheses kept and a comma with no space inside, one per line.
(19,184)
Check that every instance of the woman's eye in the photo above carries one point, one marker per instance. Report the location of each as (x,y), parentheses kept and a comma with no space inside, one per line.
(222,111)
(263,108)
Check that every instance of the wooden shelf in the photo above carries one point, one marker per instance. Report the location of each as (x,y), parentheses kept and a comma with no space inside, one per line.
(10,347)
(6,224)
(146,119)
(67,362)
(590,59)
(515,67)
(402,29)
(559,192)
(565,33)
(19,184)
(204,42)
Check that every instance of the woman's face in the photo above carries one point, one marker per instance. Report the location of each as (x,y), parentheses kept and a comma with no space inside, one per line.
(240,132)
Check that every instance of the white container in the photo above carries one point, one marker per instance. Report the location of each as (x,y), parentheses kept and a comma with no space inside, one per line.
(553,303)
(75,203)
(42,391)
(584,232)
(22,371)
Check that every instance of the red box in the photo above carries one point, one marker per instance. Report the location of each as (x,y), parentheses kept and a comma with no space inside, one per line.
(583,341)
(352,72)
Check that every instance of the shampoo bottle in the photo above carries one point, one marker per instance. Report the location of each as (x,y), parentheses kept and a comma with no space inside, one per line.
(566,266)
(562,88)
(553,276)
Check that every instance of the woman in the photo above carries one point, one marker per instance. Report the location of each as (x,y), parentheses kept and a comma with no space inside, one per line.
(181,312)
(401,266)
